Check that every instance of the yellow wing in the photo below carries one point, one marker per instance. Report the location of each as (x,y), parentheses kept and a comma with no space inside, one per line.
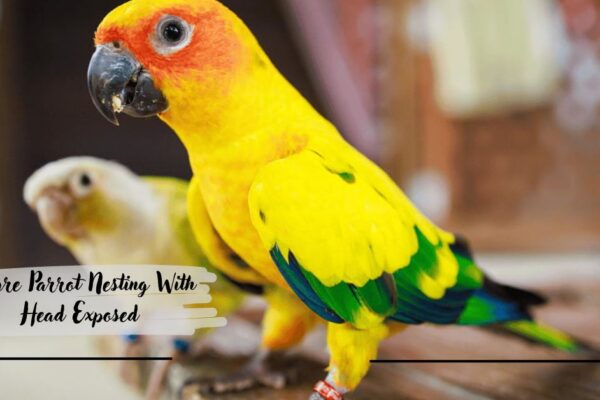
(340,230)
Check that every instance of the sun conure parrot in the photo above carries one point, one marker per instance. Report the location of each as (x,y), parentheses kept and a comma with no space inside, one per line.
(276,185)
(105,214)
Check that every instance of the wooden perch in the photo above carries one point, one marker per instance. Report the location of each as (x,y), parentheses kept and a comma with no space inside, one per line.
(573,308)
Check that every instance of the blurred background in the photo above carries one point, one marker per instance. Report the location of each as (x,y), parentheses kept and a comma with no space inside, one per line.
(485,112)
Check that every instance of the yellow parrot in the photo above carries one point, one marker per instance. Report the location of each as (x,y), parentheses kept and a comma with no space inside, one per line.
(105,214)
(278,196)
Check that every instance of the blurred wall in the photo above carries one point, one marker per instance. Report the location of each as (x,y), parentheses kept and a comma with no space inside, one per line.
(486,112)
(514,179)
(8,153)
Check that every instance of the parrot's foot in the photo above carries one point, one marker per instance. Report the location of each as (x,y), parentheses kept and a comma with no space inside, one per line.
(258,372)
(248,379)
(157,379)
(159,373)
(131,371)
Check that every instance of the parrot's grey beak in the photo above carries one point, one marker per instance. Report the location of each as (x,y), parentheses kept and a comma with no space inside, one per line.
(54,208)
(118,83)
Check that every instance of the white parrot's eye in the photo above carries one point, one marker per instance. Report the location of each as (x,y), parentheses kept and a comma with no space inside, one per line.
(172,34)
(81,184)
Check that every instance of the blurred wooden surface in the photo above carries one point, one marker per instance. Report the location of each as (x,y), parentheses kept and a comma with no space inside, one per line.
(573,307)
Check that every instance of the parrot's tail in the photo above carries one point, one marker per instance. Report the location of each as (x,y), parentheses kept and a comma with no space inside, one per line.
(506,309)
(495,303)
(543,334)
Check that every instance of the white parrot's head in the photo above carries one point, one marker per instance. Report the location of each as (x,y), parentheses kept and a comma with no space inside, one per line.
(84,201)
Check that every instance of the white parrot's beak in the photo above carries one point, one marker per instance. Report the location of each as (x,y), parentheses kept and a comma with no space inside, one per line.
(55,210)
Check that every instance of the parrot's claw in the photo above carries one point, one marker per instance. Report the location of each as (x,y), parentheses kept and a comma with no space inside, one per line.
(234,383)
(256,373)
(249,378)
(274,380)
(316,396)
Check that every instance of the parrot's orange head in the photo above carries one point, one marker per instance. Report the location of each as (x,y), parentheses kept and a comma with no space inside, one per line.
(158,57)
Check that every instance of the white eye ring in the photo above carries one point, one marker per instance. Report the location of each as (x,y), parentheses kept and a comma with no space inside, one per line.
(81,184)
(172,34)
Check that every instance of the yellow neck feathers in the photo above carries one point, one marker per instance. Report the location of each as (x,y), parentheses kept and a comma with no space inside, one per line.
(213,111)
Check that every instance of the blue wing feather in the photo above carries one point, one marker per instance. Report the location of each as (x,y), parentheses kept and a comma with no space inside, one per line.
(294,277)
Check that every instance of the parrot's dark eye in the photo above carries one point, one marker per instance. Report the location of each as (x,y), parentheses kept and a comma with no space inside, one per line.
(81,184)
(85,180)
(172,35)
(172,32)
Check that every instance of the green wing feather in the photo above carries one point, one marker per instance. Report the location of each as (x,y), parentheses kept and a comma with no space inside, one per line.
(345,247)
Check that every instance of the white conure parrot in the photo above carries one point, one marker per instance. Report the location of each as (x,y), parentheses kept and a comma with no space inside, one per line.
(105,214)
(275,183)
